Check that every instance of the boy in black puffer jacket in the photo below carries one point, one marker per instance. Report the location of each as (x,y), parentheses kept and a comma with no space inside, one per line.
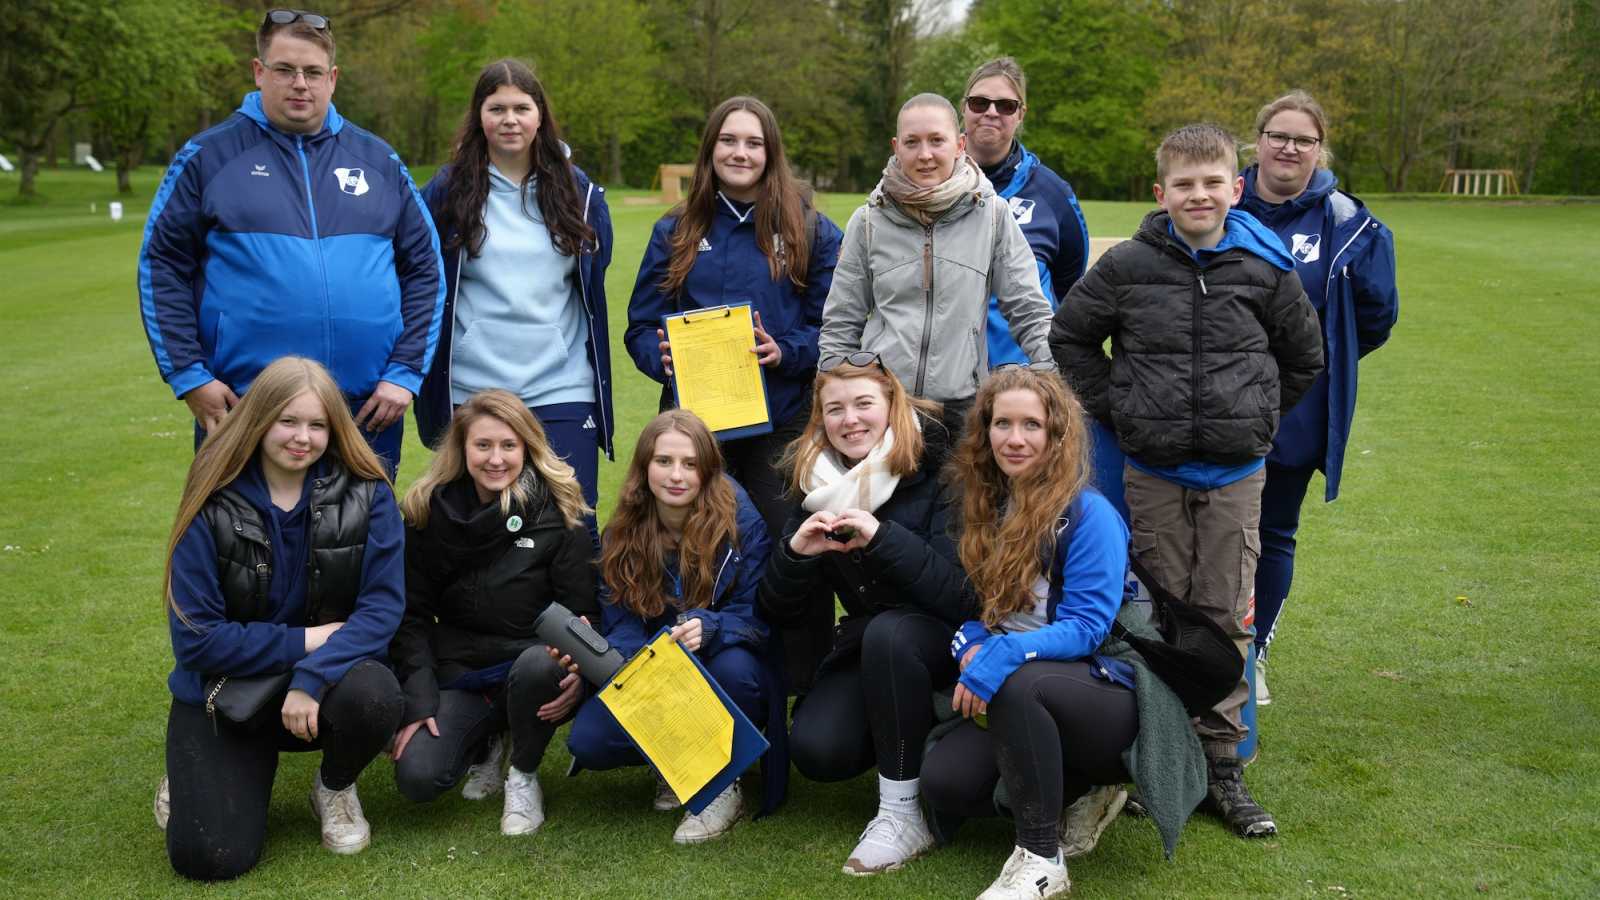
(1212,337)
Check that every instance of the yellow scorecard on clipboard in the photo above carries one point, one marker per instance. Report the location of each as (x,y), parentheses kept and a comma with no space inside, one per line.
(715,374)
(674,715)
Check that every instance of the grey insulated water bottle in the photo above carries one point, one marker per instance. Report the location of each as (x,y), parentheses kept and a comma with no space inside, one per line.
(597,660)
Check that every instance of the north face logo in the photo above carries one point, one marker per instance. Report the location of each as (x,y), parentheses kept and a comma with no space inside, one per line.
(1307,248)
(1022,209)
(351,181)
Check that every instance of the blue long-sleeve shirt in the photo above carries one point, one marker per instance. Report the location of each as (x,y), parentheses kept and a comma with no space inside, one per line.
(1093,571)
(210,644)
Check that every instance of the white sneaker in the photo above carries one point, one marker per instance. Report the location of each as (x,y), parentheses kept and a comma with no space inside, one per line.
(524,806)
(714,821)
(344,828)
(888,843)
(1088,817)
(665,799)
(163,803)
(1263,696)
(1028,876)
(485,778)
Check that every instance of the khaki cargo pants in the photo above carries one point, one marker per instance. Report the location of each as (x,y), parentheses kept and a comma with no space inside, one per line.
(1203,547)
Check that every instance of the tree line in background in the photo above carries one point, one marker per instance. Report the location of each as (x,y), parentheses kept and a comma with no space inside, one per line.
(1411,87)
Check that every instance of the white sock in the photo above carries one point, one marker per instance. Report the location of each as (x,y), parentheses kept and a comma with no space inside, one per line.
(899,798)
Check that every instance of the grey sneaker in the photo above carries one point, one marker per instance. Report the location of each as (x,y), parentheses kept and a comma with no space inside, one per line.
(1227,798)
(523,812)
(163,803)
(889,842)
(1263,696)
(664,800)
(1088,817)
(714,821)
(486,777)
(344,828)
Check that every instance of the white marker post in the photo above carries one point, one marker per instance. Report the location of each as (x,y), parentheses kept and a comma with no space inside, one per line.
(116,210)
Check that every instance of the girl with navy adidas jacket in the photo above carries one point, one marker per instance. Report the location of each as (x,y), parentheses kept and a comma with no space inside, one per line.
(1050,713)
(746,233)
(684,550)
(526,239)
(285,581)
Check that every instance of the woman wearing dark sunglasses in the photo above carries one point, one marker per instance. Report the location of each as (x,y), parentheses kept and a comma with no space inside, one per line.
(919,261)
(869,528)
(526,239)
(1345,259)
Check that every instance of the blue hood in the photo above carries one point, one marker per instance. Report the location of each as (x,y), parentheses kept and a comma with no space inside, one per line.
(251,109)
(1247,233)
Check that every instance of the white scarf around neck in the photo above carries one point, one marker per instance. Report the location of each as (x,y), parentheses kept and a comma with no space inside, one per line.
(866,485)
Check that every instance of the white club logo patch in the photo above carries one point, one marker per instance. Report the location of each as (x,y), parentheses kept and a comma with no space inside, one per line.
(351,181)
(1307,248)
(1021,209)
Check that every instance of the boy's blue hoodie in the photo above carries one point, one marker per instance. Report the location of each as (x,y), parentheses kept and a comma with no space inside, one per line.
(210,644)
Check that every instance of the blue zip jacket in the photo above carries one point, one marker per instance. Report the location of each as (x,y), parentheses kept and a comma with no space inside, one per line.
(1045,206)
(730,268)
(212,645)
(433,406)
(731,619)
(262,244)
(1345,259)
(1093,572)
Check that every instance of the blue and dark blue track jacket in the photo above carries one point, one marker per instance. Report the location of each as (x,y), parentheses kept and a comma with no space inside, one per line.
(1345,259)
(1045,206)
(262,244)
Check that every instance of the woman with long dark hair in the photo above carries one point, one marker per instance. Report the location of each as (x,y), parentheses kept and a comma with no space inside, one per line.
(526,239)
(284,584)
(1054,704)
(870,526)
(747,232)
(494,534)
(685,549)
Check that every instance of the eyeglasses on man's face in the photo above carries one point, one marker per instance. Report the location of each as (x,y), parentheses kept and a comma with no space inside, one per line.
(1277,140)
(285,74)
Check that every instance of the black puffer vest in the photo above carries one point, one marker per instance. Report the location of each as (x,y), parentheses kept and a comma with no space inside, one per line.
(341,507)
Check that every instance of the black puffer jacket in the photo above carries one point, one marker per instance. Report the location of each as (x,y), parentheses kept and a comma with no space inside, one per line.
(1203,358)
(475,586)
(911,561)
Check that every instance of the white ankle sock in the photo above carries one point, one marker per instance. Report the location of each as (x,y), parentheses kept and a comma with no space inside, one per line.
(899,798)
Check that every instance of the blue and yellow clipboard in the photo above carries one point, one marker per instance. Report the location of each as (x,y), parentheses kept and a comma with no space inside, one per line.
(702,699)
(715,376)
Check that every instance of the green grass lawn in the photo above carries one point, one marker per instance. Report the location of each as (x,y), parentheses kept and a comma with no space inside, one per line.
(1435,730)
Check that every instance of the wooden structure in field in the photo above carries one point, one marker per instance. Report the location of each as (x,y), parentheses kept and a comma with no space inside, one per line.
(673,179)
(1479,182)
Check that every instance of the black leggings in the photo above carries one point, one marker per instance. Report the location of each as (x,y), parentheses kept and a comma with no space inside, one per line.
(221,781)
(430,765)
(877,709)
(1055,731)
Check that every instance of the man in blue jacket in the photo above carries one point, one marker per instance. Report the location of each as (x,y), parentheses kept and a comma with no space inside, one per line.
(288,230)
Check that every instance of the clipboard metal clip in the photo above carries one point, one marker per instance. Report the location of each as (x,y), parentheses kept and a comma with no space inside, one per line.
(710,312)
(618,682)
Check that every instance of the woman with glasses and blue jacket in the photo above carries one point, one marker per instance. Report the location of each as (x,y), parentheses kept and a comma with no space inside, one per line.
(1345,259)
(526,238)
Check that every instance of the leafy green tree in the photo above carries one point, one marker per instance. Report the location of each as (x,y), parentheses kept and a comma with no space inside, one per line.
(49,52)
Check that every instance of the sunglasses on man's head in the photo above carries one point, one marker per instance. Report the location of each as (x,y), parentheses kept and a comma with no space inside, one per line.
(978,105)
(860,359)
(1039,367)
(291,16)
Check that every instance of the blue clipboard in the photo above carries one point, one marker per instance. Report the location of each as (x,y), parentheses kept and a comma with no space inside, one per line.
(726,434)
(748,741)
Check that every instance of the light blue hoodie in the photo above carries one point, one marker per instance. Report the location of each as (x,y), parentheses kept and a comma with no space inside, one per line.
(519,322)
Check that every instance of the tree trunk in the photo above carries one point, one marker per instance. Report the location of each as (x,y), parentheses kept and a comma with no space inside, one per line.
(125,166)
(30,170)
(614,165)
